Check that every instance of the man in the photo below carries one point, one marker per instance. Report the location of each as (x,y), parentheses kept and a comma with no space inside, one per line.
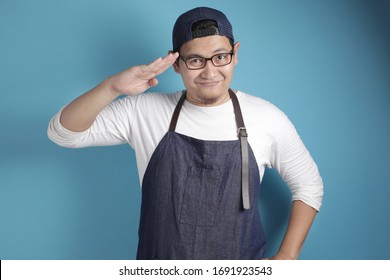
(200,177)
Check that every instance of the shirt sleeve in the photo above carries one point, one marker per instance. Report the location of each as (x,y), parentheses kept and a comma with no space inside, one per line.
(111,127)
(296,166)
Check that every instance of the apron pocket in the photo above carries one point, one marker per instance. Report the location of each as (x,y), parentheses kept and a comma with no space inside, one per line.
(200,197)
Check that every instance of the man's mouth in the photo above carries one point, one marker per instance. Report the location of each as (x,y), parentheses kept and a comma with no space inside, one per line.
(208,83)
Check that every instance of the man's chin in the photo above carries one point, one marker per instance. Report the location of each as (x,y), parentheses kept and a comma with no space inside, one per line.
(212,97)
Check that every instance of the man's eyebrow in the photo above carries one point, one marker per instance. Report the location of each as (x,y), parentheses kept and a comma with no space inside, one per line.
(193,55)
(219,50)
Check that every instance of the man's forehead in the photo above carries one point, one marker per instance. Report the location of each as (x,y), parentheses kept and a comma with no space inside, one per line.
(206,46)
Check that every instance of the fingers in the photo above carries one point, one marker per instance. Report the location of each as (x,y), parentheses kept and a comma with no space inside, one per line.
(160,65)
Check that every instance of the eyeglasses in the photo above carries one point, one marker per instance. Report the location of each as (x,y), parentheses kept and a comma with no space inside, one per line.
(218,60)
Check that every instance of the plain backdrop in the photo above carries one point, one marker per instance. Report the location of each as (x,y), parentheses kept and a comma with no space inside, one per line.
(326,64)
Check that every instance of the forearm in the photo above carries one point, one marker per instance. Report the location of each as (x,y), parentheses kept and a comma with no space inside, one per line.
(301,219)
(80,114)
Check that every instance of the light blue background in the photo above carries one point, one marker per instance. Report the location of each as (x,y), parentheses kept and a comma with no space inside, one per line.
(326,64)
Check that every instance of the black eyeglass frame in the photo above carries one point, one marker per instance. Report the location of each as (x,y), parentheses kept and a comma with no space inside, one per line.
(207,59)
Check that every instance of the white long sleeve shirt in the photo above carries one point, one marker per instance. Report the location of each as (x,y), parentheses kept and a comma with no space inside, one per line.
(143,120)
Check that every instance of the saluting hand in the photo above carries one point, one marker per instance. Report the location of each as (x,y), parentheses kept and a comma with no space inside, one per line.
(138,79)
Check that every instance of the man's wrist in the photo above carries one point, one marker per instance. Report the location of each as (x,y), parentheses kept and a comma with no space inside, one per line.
(109,89)
(282,255)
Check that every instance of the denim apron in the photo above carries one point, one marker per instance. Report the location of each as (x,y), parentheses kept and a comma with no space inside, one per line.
(192,200)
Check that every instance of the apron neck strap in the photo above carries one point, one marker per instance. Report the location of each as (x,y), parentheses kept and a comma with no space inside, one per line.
(237,111)
(176,113)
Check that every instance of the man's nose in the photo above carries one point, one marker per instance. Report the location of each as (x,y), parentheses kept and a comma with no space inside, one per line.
(209,69)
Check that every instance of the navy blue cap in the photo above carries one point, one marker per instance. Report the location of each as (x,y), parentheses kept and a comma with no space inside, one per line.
(183,28)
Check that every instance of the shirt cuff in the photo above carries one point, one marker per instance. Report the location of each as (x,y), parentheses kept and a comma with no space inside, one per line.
(63,136)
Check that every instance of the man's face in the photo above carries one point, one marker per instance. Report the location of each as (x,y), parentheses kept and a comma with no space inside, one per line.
(208,86)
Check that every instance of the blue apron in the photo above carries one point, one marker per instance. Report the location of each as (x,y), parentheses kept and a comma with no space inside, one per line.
(192,200)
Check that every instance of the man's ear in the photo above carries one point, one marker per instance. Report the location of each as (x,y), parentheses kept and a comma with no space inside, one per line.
(235,49)
(176,64)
